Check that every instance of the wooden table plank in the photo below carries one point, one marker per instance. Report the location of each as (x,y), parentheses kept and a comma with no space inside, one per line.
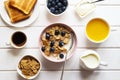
(9,59)
(69,75)
(33,34)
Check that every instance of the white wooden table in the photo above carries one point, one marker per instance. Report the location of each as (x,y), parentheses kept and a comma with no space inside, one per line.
(109,50)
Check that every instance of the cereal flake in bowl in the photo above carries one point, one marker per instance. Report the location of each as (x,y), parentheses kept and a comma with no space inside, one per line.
(29,67)
(56,41)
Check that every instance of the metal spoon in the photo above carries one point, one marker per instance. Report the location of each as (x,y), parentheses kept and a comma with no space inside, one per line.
(93,1)
(61,78)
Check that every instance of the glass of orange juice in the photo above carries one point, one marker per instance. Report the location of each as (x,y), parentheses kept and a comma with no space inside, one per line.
(97,30)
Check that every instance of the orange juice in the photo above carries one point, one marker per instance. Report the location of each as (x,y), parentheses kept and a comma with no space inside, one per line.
(97,30)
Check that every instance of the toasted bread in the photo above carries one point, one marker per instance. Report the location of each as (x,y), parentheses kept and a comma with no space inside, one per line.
(25,6)
(15,14)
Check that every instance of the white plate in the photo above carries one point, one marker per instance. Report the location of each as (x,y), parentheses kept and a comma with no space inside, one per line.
(24,23)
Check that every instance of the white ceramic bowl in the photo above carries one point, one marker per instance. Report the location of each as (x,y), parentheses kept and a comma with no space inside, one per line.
(69,53)
(56,14)
(20,72)
(100,40)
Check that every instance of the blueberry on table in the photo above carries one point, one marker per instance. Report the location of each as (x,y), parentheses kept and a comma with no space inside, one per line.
(43,48)
(61,56)
(57,32)
(61,43)
(63,33)
(52,49)
(47,36)
(52,43)
(52,9)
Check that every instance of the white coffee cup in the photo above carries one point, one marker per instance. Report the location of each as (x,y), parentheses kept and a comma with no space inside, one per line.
(90,60)
(100,20)
(17,40)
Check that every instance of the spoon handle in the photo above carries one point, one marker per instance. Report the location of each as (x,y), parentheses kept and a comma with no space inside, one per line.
(63,68)
(97,1)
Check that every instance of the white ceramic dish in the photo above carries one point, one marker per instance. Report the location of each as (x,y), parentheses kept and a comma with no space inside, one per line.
(69,53)
(24,23)
(20,72)
(83,8)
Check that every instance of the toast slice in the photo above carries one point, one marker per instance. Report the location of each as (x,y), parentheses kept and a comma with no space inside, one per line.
(15,14)
(25,6)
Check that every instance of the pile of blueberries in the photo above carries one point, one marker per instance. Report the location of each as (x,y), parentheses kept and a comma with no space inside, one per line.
(57,6)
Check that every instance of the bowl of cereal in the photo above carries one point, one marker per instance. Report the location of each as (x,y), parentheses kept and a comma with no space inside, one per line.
(57,41)
(29,67)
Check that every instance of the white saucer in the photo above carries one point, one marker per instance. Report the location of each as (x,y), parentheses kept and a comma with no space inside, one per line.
(24,23)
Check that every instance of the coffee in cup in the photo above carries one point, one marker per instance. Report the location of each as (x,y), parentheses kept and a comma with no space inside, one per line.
(18,39)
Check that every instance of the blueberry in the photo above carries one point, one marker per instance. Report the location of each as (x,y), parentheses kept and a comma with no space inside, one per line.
(63,33)
(43,49)
(65,2)
(52,9)
(57,31)
(61,43)
(53,3)
(60,10)
(63,8)
(52,43)
(61,56)
(49,1)
(47,36)
(56,7)
(61,0)
(49,5)
(59,4)
(57,1)
(56,12)
(52,49)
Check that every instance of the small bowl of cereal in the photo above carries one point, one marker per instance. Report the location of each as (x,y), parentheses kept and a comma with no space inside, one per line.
(57,41)
(29,67)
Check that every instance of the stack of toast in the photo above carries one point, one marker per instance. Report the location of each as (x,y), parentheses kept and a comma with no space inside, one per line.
(19,10)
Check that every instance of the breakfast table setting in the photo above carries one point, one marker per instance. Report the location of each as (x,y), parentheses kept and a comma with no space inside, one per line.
(60,39)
